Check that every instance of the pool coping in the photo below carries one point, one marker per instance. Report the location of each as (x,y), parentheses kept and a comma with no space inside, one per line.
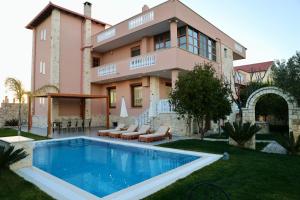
(63,190)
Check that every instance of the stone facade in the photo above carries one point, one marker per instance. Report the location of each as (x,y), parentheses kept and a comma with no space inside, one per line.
(87,63)
(55,57)
(294,110)
(10,111)
(177,126)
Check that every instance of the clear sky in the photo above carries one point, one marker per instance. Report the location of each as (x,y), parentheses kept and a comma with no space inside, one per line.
(270,29)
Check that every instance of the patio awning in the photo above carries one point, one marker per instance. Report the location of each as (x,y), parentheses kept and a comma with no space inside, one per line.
(51,96)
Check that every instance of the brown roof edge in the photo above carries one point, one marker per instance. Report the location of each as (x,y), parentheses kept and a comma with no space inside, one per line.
(47,11)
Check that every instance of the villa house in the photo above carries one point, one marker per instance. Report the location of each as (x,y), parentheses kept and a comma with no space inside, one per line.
(138,59)
(257,72)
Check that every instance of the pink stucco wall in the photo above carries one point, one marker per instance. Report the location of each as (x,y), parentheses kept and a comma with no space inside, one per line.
(123,89)
(42,53)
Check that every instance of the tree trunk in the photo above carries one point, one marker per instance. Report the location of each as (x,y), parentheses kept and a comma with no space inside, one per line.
(19,125)
(200,127)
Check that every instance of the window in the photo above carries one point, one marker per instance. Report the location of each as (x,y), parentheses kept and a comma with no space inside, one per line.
(135,51)
(211,49)
(193,39)
(182,37)
(42,67)
(203,45)
(225,53)
(43,34)
(96,61)
(197,43)
(162,41)
(137,95)
(42,101)
(112,95)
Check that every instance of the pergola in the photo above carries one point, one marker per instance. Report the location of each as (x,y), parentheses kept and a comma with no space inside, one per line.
(51,96)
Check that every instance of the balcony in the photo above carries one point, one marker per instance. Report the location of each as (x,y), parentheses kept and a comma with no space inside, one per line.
(150,22)
(158,63)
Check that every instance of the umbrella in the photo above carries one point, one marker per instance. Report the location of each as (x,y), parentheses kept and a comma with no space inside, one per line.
(123,112)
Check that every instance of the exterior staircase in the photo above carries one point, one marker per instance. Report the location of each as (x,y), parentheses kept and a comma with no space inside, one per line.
(161,106)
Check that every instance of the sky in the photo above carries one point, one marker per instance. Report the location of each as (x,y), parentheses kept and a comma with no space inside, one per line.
(269,29)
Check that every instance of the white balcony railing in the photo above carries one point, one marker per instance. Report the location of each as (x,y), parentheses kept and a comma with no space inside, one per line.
(164,106)
(107,70)
(238,47)
(142,61)
(109,33)
(140,20)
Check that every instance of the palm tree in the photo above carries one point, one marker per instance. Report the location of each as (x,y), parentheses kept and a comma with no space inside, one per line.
(17,87)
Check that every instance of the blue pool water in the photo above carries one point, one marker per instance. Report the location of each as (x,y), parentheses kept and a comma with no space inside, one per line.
(103,168)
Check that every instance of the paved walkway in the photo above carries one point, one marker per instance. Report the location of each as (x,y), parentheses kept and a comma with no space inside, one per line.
(93,133)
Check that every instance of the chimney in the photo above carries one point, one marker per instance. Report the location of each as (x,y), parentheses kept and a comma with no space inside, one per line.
(87,9)
(145,8)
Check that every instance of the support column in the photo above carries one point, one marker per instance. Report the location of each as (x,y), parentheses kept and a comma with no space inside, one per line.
(173,32)
(29,120)
(154,95)
(87,63)
(55,58)
(175,74)
(144,46)
(49,127)
(107,112)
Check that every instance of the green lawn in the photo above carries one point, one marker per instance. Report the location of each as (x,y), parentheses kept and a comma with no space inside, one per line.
(13,187)
(5,132)
(248,175)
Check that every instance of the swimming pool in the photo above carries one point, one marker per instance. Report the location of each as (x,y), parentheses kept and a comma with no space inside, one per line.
(105,169)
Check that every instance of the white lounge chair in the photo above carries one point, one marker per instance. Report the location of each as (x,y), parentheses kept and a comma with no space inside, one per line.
(160,134)
(117,134)
(135,135)
(106,132)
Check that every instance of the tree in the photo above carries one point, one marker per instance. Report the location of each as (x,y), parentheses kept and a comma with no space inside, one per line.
(17,88)
(200,95)
(286,75)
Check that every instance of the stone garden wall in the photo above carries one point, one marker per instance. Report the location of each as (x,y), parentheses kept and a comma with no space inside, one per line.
(294,110)
(9,111)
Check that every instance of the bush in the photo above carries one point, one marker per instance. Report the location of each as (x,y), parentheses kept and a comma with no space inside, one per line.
(240,132)
(290,143)
(11,122)
(9,156)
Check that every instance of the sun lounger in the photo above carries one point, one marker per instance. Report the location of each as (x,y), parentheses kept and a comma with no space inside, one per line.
(160,134)
(106,132)
(117,134)
(135,135)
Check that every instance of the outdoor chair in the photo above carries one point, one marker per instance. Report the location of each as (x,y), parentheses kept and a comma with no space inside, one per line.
(87,123)
(73,124)
(106,132)
(160,134)
(135,135)
(79,124)
(117,134)
(65,124)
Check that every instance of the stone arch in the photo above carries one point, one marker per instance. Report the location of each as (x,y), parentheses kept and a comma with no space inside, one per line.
(293,109)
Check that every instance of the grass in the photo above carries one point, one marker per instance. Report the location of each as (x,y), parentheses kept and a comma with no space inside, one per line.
(5,132)
(14,187)
(247,175)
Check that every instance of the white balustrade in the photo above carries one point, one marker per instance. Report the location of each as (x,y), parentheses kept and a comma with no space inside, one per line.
(142,61)
(238,47)
(140,20)
(164,106)
(107,70)
(109,33)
